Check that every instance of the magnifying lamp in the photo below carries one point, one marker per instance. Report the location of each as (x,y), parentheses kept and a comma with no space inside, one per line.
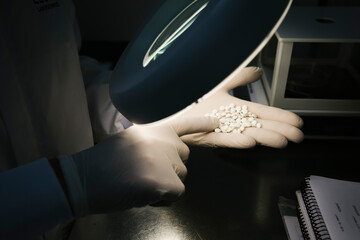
(186,49)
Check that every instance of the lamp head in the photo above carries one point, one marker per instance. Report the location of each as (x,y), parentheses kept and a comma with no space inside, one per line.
(186,49)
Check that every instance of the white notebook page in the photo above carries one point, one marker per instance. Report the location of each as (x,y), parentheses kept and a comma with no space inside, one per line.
(339,203)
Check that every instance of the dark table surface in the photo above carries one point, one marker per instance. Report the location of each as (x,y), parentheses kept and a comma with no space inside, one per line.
(231,194)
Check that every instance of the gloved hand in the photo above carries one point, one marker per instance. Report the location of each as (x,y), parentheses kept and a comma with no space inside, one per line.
(278,126)
(139,166)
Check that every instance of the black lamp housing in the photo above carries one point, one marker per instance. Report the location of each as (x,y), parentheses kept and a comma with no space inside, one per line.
(221,35)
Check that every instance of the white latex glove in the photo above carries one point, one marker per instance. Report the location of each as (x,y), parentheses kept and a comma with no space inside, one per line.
(278,126)
(139,166)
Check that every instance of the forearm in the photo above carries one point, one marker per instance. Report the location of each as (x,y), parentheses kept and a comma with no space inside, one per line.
(32,201)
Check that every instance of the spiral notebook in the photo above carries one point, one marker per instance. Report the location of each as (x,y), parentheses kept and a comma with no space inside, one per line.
(329,209)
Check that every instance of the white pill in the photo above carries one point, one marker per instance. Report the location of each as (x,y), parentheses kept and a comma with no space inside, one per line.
(234,118)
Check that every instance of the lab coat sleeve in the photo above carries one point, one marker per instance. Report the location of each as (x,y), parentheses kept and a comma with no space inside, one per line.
(32,201)
(106,120)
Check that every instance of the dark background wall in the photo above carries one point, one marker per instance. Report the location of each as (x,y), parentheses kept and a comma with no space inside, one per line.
(112,20)
(118,20)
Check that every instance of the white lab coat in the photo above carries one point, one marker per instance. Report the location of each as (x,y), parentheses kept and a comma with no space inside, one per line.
(44,106)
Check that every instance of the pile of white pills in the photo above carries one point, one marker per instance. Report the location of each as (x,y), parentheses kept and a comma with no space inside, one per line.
(234,119)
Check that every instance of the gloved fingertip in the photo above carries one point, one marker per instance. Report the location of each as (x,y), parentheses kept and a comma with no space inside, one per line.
(174,194)
(252,70)
(299,137)
(180,171)
(259,70)
(167,199)
(300,122)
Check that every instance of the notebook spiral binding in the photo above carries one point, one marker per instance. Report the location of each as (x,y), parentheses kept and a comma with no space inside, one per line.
(314,213)
(302,223)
